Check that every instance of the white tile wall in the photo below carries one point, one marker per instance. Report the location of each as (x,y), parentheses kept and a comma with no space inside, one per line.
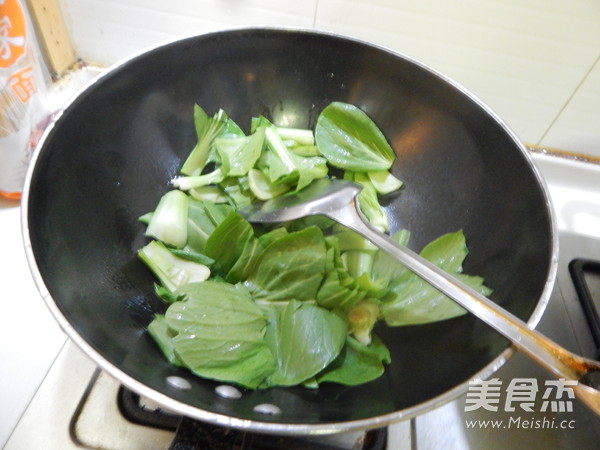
(579,124)
(105,31)
(534,62)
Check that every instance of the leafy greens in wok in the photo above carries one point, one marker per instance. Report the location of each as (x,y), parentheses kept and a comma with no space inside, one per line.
(294,303)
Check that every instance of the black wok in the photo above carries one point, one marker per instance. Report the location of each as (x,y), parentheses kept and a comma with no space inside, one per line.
(111,153)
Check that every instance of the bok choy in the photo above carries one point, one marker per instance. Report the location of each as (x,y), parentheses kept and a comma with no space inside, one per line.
(294,304)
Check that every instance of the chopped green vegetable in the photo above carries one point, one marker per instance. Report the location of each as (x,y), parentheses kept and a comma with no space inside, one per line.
(305,339)
(193,256)
(244,264)
(168,223)
(350,140)
(211,194)
(384,182)
(203,218)
(239,154)
(226,243)
(283,166)
(297,135)
(289,268)
(219,333)
(262,188)
(357,363)
(207,129)
(237,192)
(194,182)
(166,294)
(171,270)
(368,201)
(163,336)
(294,304)
(362,317)
(145,219)
(338,291)
(385,268)
(412,300)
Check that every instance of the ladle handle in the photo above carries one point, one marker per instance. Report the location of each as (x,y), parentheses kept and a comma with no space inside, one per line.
(548,354)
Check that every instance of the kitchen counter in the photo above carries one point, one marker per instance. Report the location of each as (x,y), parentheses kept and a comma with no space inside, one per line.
(30,338)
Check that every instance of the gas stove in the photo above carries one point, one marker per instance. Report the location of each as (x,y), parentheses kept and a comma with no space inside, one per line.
(79,406)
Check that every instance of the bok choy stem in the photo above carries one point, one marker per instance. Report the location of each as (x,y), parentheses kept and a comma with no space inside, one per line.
(171,270)
(168,223)
(207,129)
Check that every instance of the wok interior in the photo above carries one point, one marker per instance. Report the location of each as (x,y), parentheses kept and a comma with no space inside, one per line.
(112,153)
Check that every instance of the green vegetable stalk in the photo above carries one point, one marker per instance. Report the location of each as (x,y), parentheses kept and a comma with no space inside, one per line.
(168,223)
(207,129)
(172,271)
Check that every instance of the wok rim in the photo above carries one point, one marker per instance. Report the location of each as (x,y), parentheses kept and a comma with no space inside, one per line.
(269,427)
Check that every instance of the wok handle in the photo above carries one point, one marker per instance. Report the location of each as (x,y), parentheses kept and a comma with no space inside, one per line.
(547,353)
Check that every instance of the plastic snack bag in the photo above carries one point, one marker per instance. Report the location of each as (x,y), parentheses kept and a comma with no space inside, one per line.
(22,95)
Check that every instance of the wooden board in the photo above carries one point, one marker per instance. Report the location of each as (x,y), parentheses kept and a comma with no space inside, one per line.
(54,39)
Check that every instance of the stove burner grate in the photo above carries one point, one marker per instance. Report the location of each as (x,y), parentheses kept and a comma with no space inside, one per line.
(192,434)
(585,274)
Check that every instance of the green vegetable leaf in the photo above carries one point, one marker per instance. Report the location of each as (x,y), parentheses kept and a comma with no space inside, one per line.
(238,155)
(237,192)
(145,219)
(253,249)
(350,140)
(207,129)
(203,218)
(351,240)
(305,339)
(193,256)
(385,268)
(447,252)
(219,333)
(287,167)
(226,243)
(412,300)
(418,302)
(368,202)
(166,294)
(245,262)
(261,186)
(163,336)
(338,290)
(290,267)
(357,363)
(305,169)
(217,213)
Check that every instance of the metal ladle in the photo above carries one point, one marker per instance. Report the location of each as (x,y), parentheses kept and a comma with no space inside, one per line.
(337,199)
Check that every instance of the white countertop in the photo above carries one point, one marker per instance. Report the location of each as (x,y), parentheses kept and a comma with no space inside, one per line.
(30,339)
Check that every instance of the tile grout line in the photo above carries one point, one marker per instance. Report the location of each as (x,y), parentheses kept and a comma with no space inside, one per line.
(564,107)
